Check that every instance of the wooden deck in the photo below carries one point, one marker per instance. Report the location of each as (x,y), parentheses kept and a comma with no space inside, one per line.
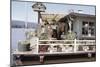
(75,55)
(55,59)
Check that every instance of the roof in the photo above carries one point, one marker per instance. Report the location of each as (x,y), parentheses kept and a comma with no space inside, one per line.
(74,15)
(81,14)
(62,17)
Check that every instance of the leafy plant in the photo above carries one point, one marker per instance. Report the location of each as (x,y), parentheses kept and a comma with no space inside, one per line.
(43,36)
(70,36)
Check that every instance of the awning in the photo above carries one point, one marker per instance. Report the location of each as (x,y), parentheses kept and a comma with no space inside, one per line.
(50,17)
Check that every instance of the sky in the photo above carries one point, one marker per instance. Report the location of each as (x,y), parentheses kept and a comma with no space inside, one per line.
(23,11)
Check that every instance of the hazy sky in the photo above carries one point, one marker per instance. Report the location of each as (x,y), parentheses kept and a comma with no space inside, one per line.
(23,10)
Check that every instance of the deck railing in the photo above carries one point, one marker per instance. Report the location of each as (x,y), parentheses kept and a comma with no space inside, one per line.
(60,47)
(66,46)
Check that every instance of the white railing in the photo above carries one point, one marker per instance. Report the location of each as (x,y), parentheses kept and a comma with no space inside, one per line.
(67,46)
(60,47)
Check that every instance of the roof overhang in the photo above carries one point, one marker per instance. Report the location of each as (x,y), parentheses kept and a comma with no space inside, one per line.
(74,15)
(82,15)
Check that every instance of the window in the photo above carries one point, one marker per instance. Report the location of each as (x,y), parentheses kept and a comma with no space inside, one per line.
(84,31)
(88,28)
(92,31)
(91,24)
(85,24)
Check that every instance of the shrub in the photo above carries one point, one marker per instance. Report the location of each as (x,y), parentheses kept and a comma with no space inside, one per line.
(70,36)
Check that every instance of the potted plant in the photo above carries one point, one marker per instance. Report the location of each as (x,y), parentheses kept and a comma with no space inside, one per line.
(43,48)
(71,36)
(43,37)
(24,45)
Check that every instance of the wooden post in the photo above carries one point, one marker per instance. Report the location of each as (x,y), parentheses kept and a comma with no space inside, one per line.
(42,59)
(89,55)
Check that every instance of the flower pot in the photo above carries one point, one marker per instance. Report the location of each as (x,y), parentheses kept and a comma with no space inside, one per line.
(23,46)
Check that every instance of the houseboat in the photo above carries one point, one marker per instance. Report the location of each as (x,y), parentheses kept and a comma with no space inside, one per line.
(60,34)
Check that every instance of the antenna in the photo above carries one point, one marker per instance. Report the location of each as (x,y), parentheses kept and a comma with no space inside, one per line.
(26,18)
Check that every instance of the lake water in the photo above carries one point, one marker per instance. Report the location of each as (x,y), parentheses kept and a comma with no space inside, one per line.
(18,34)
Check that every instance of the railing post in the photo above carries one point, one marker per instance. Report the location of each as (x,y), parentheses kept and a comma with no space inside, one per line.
(37,45)
(75,45)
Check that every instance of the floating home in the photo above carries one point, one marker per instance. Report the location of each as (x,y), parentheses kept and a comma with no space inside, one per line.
(60,34)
